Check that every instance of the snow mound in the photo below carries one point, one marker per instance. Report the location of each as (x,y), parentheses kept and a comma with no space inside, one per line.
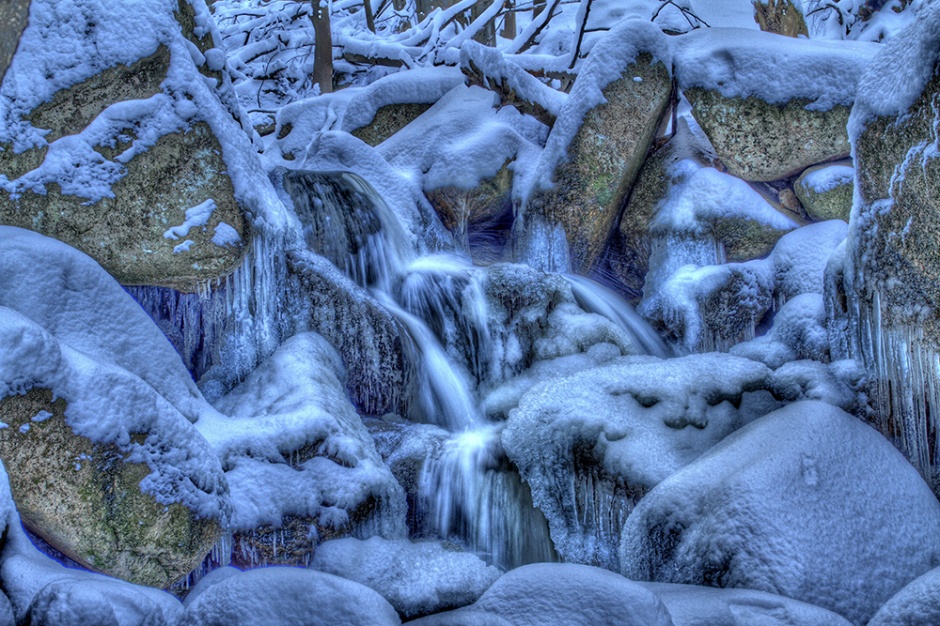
(78,303)
(559,594)
(799,332)
(283,596)
(416,578)
(292,444)
(784,505)
(917,604)
(742,63)
(691,605)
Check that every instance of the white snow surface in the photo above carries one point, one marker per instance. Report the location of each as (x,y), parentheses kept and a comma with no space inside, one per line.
(195,217)
(559,594)
(68,42)
(296,400)
(417,578)
(284,596)
(691,605)
(701,196)
(642,418)
(465,138)
(785,505)
(743,63)
(917,604)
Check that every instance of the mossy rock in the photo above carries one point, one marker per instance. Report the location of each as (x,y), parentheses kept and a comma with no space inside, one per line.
(388,120)
(84,498)
(604,158)
(759,141)
(831,202)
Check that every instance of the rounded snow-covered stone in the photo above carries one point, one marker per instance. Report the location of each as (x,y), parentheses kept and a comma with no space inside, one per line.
(826,191)
(416,578)
(691,605)
(100,602)
(917,604)
(284,596)
(591,444)
(785,505)
(559,594)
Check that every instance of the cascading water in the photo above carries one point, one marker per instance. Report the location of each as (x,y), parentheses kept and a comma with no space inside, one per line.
(467,491)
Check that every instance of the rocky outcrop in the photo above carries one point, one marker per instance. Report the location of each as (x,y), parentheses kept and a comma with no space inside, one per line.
(825,191)
(370,342)
(892,270)
(596,148)
(134,159)
(388,120)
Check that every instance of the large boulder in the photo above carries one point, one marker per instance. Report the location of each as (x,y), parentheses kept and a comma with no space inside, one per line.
(770,116)
(892,270)
(284,596)
(590,445)
(784,505)
(558,594)
(104,460)
(595,149)
(416,578)
(134,156)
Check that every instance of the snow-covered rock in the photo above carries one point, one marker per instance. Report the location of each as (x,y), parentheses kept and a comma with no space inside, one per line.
(294,450)
(826,191)
(892,269)
(559,594)
(283,596)
(124,483)
(137,146)
(572,198)
(592,444)
(416,578)
(785,505)
(771,106)
(917,604)
(691,605)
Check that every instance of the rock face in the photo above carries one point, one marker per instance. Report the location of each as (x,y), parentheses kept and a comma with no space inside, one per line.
(123,160)
(13,17)
(597,146)
(760,141)
(782,505)
(826,191)
(892,270)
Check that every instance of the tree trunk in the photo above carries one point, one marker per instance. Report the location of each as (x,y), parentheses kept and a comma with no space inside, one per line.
(509,21)
(323,47)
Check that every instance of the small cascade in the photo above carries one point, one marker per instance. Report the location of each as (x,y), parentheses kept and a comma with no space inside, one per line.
(596,298)
(469,493)
(442,290)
